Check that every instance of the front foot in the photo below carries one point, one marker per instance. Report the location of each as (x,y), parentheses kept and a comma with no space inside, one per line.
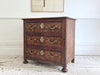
(25,61)
(64,69)
(73,61)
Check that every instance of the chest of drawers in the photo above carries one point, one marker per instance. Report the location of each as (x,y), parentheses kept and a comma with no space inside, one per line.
(49,40)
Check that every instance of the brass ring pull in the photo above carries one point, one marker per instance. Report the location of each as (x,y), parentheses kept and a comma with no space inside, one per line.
(52,55)
(52,42)
(33,52)
(53,27)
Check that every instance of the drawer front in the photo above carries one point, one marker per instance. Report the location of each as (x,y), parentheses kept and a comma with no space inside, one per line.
(54,27)
(44,28)
(53,56)
(35,54)
(44,41)
(49,56)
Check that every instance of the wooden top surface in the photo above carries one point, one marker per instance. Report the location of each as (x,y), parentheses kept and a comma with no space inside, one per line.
(48,18)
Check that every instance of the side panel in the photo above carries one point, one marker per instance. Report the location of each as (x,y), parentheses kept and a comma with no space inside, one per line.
(70,32)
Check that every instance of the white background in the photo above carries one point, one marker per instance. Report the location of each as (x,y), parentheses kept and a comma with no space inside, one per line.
(87,32)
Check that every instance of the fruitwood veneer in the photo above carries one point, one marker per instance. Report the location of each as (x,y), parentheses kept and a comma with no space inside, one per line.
(49,40)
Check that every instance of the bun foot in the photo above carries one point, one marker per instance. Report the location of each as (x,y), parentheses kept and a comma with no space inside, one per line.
(64,69)
(25,61)
(73,61)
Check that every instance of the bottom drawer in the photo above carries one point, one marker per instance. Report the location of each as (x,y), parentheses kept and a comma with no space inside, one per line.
(47,56)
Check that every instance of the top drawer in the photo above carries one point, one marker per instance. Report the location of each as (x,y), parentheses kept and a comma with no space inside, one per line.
(45,27)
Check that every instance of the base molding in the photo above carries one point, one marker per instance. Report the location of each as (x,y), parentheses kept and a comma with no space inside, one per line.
(87,48)
(11,47)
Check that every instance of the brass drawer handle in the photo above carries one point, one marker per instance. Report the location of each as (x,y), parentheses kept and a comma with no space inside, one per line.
(52,56)
(33,52)
(32,40)
(52,27)
(33,26)
(41,53)
(52,42)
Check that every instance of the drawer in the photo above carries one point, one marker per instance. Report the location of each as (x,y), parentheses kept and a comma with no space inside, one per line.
(43,55)
(35,54)
(43,28)
(44,41)
(53,27)
(53,56)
